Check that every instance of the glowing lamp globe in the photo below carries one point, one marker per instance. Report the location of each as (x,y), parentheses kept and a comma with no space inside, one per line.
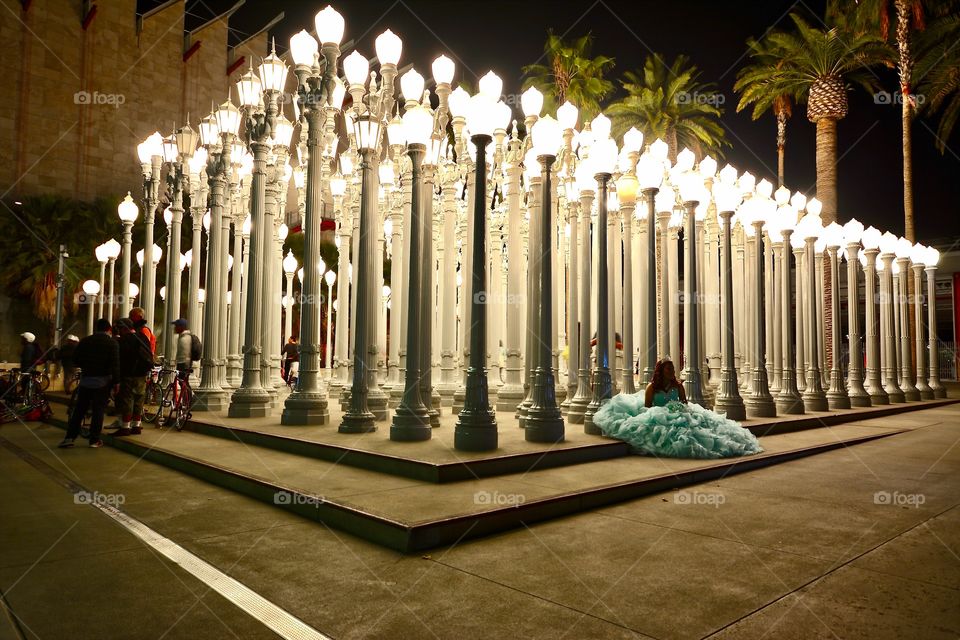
(443,69)
(355,68)
(127,210)
(633,140)
(649,171)
(209,131)
(888,243)
(903,248)
(491,86)
(338,186)
(604,155)
(167,216)
(685,160)
(627,186)
(918,254)
(852,231)
(228,118)
(659,149)
(567,116)
(666,200)
(932,258)
(329,24)
(708,167)
(417,125)
(782,196)
(531,101)
(728,175)
(764,188)
(600,126)
(330,277)
(870,238)
(411,85)
(814,206)
(727,196)
(459,102)
(273,72)
(303,48)
(112,249)
(282,231)
(481,117)
(747,182)
(289,264)
(389,46)
(91,287)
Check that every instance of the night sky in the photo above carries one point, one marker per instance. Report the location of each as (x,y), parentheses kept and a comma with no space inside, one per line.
(505,36)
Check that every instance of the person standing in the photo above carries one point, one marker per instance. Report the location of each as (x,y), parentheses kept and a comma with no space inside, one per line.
(189,348)
(140,326)
(67,358)
(98,356)
(291,354)
(136,361)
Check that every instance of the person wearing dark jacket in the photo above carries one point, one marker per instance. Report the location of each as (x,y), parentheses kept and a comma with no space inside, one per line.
(98,357)
(136,361)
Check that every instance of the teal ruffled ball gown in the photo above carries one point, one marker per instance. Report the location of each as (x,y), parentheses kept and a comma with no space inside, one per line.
(673,429)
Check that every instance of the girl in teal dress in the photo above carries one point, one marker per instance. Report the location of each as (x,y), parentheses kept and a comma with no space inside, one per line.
(660,422)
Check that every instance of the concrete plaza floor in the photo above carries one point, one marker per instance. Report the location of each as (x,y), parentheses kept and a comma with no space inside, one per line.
(859,542)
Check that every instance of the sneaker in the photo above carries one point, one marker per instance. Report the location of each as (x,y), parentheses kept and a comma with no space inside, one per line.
(66,443)
(96,444)
(123,431)
(135,431)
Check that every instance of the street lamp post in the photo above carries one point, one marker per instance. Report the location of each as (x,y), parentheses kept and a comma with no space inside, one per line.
(128,211)
(852,232)
(581,399)
(788,400)
(931,261)
(888,246)
(873,383)
(814,398)
(101,254)
(650,174)
(289,268)
(330,277)
(603,155)
(918,256)
(693,194)
(150,152)
(903,250)
(837,397)
(91,288)
(112,250)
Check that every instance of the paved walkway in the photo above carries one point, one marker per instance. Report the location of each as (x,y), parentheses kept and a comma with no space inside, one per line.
(860,542)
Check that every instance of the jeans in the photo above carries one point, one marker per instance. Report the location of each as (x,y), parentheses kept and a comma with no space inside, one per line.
(132,392)
(94,400)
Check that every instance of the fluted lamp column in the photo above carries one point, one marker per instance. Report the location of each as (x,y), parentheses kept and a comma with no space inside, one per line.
(476,428)
(316,92)
(544,422)
(150,152)
(627,186)
(411,420)
(581,399)
(788,399)
(837,397)
(810,227)
(128,212)
(650,175)
(728,198)
(918,258)
(852,232)
(903,251)
(873,381)
(602,160)
(890,374)
(931,261)
(693,194)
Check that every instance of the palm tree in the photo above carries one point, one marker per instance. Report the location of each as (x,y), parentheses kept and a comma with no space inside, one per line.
(822,64)
(754,89)
(670,102)
(874,16)
(570,73)
(938,74)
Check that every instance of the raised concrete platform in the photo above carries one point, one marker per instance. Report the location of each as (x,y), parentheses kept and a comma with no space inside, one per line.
(414,496)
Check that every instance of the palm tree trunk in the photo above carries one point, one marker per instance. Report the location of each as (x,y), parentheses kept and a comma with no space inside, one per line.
(672,143)
(781,144)
(827,168)
(908,229)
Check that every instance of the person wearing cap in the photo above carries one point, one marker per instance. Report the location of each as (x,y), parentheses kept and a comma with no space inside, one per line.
(30,354)
(98,356)
(184,346)
(136,361)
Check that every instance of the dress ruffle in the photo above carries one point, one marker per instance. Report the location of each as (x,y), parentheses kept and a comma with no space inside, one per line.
(676,430)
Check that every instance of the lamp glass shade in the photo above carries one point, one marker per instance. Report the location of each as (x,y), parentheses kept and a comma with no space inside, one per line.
(368,131)
(685,160)
(283,231)
(833,235)
(163,294)
(355,68)
(112,249)
(282,131)
(747,182)
(666,199)
(531,165)
(443,69)
(627,186)
(782,196)
(157,255)
(154,143)
(289,264)
(888,243)
(547,136)
(389,46)
(491,86)
(481,116)
(459,102)
(338,186)
(932,257)
(649,171)
(91,287)
(903,248)
(728,175)
(600,126)
(764,188)
(187,140)
(330,277)
(799,201)
(567,115)
(228,118)
(273,72)
(708,167)
(727,197)
(249,89)
(303,48)
(417,125)
(502,115)
(870,238)
(395,132)
(209,131)
(143,153)
(184,261)
(810,227)
(603,155)
(170,152)
(329,24)
(167,216)
(852,231)
(633,140)
(918,254)
(691,186)
(659,149)
(201,295)
(127,210)
(814,206)
(411,85)
(338,94)
(531,101)
(584,176)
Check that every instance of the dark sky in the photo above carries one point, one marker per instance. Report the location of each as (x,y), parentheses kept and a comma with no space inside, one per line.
(504,36)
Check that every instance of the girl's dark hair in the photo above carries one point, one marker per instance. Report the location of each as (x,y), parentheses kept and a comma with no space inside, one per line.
(659,383)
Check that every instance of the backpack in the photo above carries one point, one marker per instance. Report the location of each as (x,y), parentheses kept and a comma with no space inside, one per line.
(196,347)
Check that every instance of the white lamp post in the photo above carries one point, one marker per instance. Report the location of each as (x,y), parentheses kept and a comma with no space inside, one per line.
(331,278)
(128,211)
(289,268)
(810,228)
(837,397)
(112,249)
(903,250)
(692,193)
(873,381)
(918,258)
(888,247)
(150,153)
(728,199)
(91,288)
(101,254)
(852,233)
(931,261)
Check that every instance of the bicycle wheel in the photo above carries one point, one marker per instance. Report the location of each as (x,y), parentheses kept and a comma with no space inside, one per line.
(168,405)
(152,402)
(44,380)
(183,406)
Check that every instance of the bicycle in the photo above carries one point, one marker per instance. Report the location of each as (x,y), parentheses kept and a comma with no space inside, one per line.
(177,399)
(70,383)
(153,395)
